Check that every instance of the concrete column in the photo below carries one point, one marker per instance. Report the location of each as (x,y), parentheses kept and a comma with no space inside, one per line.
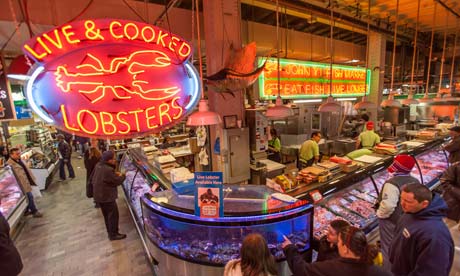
(377,44)
(222,28)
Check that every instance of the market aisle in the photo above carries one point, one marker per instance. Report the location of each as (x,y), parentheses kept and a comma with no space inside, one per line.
(456,237)
(71,238)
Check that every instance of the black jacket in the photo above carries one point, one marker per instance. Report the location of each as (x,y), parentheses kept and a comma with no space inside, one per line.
(335,267)
(65,150)
(10,260)
(454,150)
(105,182)
(325,251)
(422,244)
(450,181)
(90,163)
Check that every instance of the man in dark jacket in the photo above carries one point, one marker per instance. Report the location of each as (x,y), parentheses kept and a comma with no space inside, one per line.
(389,208)
(10,260)
(422,244)
(453,148)
(450,182)
(65,153)
(105,192)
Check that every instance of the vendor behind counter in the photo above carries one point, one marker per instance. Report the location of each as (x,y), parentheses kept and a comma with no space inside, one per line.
(368,138)
(309,151)
(274,146)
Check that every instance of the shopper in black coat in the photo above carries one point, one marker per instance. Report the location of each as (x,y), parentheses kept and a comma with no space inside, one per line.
(356,258)
(10,260)
(105,192)
(327,249)
(91,158)
(450,181)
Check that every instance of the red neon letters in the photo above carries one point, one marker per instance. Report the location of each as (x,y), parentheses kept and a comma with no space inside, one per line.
(111,78)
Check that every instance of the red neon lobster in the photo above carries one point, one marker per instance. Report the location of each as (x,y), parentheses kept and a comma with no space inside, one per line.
(124,77)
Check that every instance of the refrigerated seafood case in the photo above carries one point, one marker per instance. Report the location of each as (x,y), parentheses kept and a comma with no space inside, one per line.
(352,196)
(13,202)
(189,245)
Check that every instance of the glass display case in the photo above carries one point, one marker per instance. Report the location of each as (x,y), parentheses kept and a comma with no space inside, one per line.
(354,200)
(170,224)
(12,200)
(41,164)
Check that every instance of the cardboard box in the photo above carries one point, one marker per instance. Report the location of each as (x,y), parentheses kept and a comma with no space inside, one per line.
(184,187)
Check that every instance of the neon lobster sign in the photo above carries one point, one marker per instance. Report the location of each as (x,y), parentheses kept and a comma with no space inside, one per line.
(111,78)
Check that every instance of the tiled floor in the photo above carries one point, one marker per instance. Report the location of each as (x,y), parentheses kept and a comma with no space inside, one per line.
(71,239)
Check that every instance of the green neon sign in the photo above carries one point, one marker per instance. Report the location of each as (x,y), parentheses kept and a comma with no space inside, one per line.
(307,79)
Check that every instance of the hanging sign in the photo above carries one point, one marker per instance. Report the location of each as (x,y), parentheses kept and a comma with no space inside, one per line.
(304,79)
(209,200)
(111,78)
(7,111)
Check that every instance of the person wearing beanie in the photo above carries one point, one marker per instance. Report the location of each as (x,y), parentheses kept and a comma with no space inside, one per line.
(388,203)
(368,138)
(105,181)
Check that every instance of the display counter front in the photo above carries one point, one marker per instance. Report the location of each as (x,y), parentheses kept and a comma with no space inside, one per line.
(181,240)
(351,196)
(13,202)
(43,165)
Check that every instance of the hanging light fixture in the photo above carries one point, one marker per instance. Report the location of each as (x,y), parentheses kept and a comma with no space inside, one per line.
(203,116)
(449,96)
(438,97)
(19,67)
(364,103)
(410,98)
(390,101)
(279,111)
(330,105)
(426,99)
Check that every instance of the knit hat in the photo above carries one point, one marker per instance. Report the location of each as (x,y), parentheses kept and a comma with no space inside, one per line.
(402,163)
(107,155)
(370,125)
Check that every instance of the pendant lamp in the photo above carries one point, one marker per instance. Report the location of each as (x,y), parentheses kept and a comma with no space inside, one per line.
(364,103)
(279,111)
(203,116)
(426,99)
(410,98)
(19,67)
(330,105)
(390,101)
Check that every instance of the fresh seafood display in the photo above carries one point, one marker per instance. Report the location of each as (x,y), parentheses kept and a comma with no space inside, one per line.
(10,192)
(432,164)
(217,245)
(321,221)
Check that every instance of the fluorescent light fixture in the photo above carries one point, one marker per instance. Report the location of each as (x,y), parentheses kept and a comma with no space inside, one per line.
(308,101)
(352,61)
(18,77)
(346,99)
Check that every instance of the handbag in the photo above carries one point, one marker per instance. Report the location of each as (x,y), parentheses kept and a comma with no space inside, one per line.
(36,191)
(89,185)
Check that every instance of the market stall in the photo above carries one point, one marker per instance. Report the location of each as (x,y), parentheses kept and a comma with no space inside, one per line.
(13,201)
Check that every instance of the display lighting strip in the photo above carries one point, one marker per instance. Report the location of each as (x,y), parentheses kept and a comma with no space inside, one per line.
(346,99)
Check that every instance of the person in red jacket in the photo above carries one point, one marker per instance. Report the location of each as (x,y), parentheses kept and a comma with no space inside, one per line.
(356,258)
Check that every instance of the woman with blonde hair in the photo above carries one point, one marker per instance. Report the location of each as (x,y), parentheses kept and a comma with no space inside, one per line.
(255,259)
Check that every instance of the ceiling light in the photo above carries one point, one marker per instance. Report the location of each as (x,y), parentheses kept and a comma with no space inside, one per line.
(279,111)
(410,100)
(352,61)
(364,104)
(203,116)
(308,101)
(330,106)
(390,102)
(346,99)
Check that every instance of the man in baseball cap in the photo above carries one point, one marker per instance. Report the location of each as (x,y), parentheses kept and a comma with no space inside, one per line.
(454,146)
(389,208)
(368,138)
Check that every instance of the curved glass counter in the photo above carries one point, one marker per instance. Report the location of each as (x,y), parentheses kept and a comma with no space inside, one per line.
(170,224)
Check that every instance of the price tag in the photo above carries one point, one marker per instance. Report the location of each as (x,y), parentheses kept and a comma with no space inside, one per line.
(316,196)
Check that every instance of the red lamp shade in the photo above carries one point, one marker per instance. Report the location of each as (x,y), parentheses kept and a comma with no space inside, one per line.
(19,67)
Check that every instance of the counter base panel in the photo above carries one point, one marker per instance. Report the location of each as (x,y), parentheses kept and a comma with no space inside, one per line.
(16,215)
(170,265)
(139,230)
